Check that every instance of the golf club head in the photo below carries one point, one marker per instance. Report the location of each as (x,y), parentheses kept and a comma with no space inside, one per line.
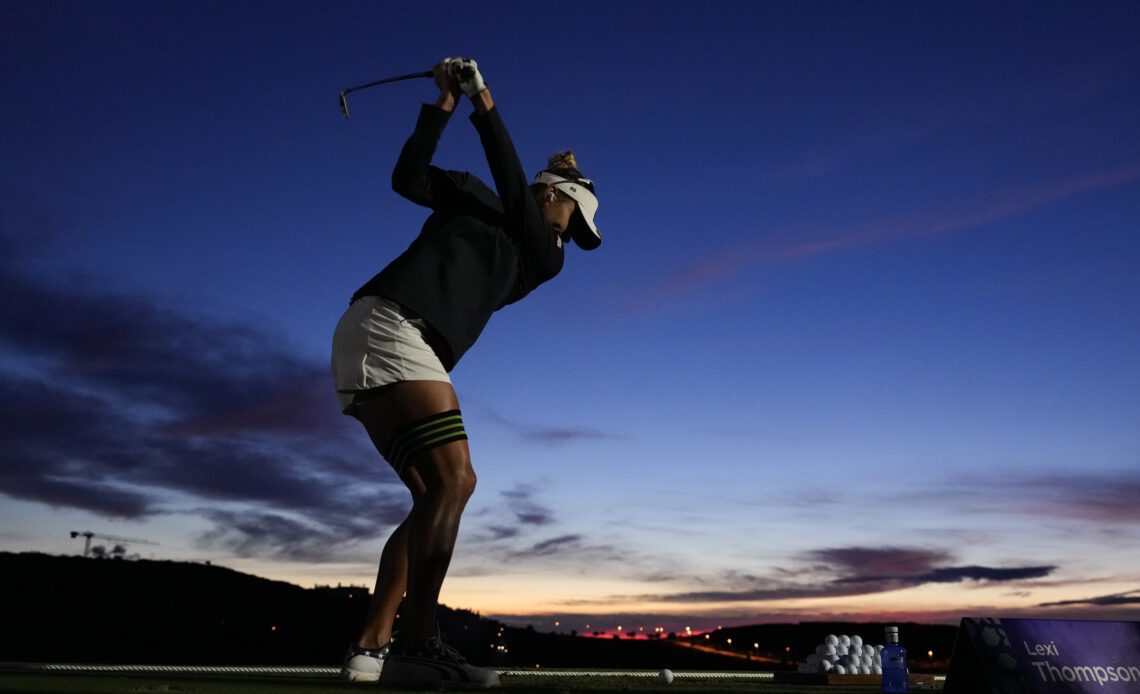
(400,78)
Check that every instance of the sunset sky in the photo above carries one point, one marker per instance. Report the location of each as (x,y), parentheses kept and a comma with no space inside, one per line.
(862,340)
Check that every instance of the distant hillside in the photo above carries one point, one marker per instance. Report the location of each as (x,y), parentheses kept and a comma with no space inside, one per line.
(76,610)
(71,609)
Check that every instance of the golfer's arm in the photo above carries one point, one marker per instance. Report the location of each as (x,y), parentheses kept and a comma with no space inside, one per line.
(507,170)
(539,255)
(410,177)
(482,101)
(446,101)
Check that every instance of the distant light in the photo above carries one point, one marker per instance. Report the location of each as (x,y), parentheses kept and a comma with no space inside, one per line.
(273,628)
(557,623)
(706,637)
(619,627)
(787,649)
(730,642)
(930,654)
(756,645)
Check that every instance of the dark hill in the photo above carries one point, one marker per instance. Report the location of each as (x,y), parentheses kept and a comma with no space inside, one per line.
(71,609)
(77,610)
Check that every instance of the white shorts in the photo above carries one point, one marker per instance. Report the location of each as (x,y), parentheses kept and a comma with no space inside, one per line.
(378,342)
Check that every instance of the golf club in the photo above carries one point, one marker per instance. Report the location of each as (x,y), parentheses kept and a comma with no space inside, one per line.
(346,92)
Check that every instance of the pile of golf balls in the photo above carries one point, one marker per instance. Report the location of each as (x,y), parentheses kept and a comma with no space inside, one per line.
(844,655)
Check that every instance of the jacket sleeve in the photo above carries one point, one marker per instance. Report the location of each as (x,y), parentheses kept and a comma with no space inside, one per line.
(540,254)
(414,178)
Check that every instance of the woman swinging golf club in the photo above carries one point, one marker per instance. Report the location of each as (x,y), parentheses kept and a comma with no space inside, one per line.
(408,326)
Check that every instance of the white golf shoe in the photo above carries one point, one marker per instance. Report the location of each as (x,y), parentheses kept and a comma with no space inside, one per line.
(364,664)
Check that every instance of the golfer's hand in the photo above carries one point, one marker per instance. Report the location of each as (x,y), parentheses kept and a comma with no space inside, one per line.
(448,88)
(466,73)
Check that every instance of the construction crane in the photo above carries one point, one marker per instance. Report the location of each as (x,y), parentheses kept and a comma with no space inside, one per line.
(110,538)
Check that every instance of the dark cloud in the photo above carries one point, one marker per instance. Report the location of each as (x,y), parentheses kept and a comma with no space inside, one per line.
(526,510)
(913,566)
(569,547)
(1109,498)
(502,542)
(114,404)
(1106,499)
(546,435)
(255,533)
(956,574)
(850,571)
(1131,597)
(554,545)
(500,532)
(760,594)
(879,560)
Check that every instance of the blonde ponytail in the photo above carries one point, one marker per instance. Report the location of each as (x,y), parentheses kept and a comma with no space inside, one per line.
(561,161)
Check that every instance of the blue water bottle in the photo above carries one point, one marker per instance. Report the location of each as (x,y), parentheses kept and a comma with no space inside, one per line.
(894,663)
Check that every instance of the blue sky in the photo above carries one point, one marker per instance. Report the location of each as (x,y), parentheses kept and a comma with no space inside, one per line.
(860,342)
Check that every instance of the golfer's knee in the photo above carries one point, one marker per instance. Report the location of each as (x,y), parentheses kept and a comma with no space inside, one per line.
(457,483)
(446,474)
(464,485)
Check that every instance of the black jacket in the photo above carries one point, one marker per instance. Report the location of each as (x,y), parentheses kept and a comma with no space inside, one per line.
(478,251)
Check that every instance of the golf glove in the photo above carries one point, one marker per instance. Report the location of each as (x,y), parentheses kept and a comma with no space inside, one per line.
(466,73)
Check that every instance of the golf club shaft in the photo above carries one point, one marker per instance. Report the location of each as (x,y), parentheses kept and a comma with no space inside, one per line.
(346,92)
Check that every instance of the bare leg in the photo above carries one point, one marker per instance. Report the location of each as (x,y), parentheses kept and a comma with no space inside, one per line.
(449,481)
(391,581)
(418,553)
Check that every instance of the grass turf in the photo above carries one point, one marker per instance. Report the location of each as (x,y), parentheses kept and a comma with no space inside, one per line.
(105,683)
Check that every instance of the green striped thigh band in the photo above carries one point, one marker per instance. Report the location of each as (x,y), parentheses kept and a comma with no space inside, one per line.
(424,435)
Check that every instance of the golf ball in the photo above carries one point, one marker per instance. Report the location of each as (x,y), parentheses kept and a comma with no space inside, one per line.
(831,640)
(666,676)
(840,670)
(857,641)
(845,641)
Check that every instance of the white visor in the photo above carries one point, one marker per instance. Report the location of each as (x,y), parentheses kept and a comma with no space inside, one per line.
(582,228)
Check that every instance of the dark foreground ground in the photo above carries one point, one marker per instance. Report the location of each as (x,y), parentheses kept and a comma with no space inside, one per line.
(101,683)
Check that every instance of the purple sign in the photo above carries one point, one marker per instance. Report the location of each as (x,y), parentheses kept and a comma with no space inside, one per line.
(1045,656)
